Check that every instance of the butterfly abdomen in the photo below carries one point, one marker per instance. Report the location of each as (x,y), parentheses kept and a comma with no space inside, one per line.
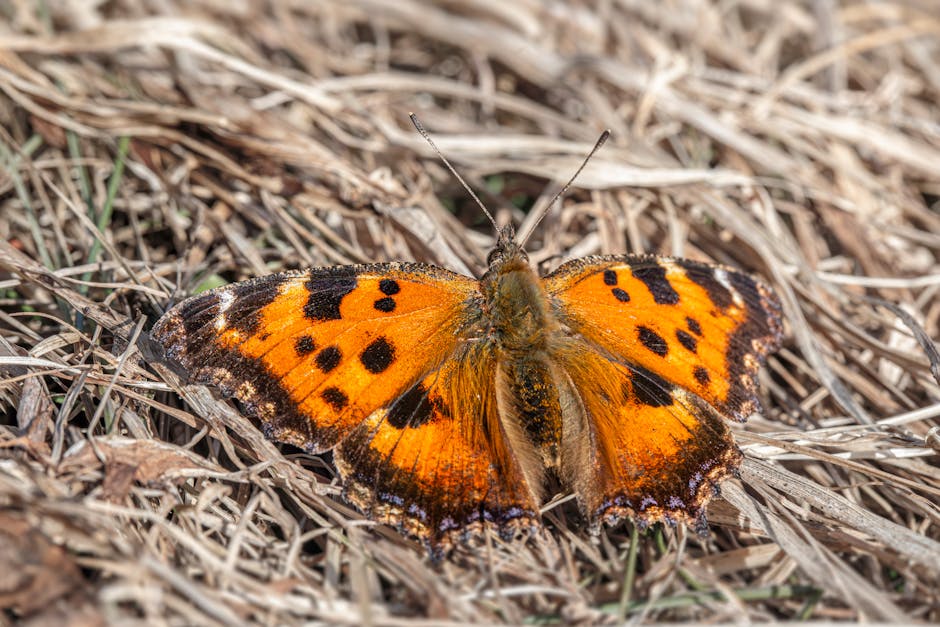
(536,405)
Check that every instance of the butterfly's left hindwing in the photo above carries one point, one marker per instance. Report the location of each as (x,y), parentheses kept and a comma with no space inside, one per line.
(636,445)
(311,354)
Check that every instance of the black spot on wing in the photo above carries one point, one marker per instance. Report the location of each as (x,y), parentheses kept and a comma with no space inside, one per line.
(411,409)
(694,326)
(326,296)
(328,358)
(610,277)
(649,388)
(653,341)
(620,295)
(701,375)
(335,398)
(385,305)
(389,287)
(304,345)
(687,340)
(378,356)
(659,286)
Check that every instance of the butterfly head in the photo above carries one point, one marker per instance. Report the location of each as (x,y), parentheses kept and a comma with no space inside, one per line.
(507,249)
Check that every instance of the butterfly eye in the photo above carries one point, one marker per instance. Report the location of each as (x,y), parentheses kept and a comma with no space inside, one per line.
(492,256)
(500,254)
(506,248)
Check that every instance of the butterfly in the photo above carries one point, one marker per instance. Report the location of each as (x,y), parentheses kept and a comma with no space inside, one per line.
(449,402)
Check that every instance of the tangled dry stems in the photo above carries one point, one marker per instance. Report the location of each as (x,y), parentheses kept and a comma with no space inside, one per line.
(149,155)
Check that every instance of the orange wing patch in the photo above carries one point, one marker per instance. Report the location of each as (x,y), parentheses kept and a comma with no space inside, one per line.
(303,350)
(437,461)
(640,446)
(702,327)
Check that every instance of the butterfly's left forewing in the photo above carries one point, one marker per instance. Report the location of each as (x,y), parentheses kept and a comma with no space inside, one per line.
(706,328)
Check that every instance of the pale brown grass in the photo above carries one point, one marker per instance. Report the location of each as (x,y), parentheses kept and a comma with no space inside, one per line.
(151,149)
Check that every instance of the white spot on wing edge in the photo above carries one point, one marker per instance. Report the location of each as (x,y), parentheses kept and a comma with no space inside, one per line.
(721,275)
(226,299)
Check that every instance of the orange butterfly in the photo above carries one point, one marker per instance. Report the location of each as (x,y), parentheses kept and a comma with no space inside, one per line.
(447,399)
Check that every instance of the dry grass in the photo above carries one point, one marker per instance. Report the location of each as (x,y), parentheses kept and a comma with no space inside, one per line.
(152,149)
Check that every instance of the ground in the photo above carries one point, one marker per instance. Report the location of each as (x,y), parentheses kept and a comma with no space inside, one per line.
(153,150)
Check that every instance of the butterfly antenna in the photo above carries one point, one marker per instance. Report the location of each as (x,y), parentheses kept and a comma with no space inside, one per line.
(597,145)
(427,138)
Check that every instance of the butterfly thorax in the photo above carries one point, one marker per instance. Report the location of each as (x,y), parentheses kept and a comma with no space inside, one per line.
(515,304)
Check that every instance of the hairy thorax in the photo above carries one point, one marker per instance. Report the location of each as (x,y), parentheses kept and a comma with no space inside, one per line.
(516,307)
